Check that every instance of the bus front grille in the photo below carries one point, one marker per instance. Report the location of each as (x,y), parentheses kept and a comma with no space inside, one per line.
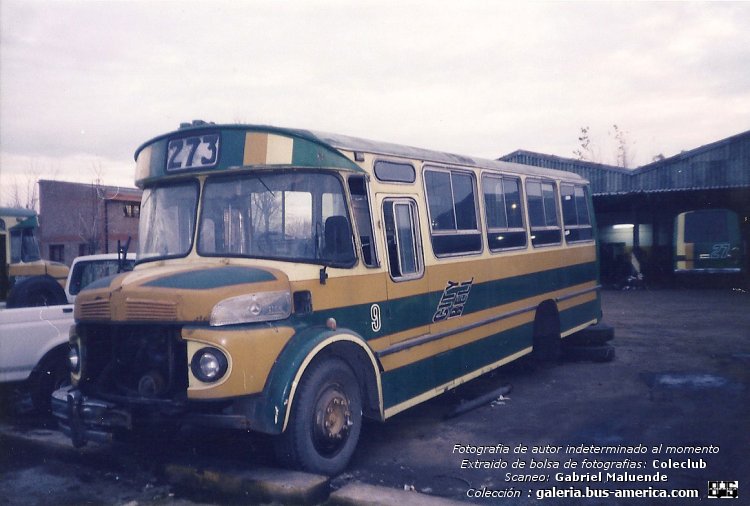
(140,363)
(95,310)
(150,310)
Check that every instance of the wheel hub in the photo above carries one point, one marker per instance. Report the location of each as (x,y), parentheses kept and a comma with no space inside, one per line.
(332,420)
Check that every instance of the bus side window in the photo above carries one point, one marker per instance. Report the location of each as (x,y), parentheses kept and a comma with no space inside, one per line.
(575,213)
(504,210)
(542,206)
(361,210)
(402,238)
(452,207)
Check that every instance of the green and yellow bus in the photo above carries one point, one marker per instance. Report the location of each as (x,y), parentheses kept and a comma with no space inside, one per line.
(708,241)
(20,260)
(291,283)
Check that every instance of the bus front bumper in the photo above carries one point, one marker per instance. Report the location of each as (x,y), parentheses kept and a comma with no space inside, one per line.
(85,419)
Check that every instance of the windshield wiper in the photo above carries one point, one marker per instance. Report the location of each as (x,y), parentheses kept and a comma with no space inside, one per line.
(264,185)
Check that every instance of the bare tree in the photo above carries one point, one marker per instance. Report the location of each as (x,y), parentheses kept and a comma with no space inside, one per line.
(584,150)
(623,149)
(89,217)
(24,192)
(266,207)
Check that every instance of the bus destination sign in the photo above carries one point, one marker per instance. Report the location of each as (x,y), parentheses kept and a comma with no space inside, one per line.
(195,152)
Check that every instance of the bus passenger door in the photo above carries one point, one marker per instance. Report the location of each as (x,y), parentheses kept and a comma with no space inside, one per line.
(407,313)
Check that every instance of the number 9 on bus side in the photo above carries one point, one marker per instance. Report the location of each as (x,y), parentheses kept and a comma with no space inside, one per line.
(193,152)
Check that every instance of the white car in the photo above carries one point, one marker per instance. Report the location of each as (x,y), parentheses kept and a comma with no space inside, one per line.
(34,340)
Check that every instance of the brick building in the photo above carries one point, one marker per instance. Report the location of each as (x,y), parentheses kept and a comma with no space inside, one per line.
(82,219)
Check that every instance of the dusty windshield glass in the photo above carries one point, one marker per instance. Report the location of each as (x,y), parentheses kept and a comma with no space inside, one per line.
(300,216)
(167,221)
(24,246)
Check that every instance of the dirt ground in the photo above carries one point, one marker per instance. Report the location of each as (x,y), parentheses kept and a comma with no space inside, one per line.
(680,379)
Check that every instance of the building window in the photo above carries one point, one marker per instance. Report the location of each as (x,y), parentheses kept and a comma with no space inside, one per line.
(132,210)
(57,253)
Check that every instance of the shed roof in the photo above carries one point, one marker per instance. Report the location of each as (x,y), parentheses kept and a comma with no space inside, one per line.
(720,164)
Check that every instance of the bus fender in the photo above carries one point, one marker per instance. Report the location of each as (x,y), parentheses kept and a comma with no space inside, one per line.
(272,414)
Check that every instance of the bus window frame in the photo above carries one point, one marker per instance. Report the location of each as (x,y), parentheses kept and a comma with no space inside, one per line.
(394,162)
(416,232)
(577,226)
(250,174)
(355,223)
(558,212)
(195,181)
(479,230)
(522,200)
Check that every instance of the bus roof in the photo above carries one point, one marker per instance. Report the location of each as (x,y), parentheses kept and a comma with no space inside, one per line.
(20,212)
(388,149)
(262,145)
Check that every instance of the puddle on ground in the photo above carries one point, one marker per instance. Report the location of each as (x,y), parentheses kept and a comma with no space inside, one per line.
(690,380)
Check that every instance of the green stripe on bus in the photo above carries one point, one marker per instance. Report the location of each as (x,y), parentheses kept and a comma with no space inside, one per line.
(414,379)
(232,150)
(495,293)
(409,312)
(580,314)
(309,154)
(212,278)
(404,383)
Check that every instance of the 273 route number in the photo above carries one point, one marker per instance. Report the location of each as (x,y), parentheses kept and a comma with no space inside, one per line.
(193,152)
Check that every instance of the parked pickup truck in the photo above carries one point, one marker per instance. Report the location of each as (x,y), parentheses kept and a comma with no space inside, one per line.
(34,340)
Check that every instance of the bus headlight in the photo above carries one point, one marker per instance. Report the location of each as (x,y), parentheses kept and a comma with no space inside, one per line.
(209,365)
(74,359)
(253,307)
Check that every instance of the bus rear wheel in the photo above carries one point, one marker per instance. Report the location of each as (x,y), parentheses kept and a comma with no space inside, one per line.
(325,421)
(547,345)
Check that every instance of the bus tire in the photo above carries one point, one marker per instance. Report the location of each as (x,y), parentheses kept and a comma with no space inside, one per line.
(36,291)
(592,353)
(325,420)
(546,342)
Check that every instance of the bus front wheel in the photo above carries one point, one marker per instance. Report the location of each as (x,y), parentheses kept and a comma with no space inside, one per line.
(40,290)
(325,421)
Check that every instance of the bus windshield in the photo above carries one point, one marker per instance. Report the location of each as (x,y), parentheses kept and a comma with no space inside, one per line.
(285,216)
(24,246)
(167,222)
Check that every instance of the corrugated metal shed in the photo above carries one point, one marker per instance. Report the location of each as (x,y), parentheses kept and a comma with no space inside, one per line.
(721,164)
(604,179)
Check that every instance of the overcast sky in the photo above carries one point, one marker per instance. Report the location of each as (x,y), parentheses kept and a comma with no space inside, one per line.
(84,83)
